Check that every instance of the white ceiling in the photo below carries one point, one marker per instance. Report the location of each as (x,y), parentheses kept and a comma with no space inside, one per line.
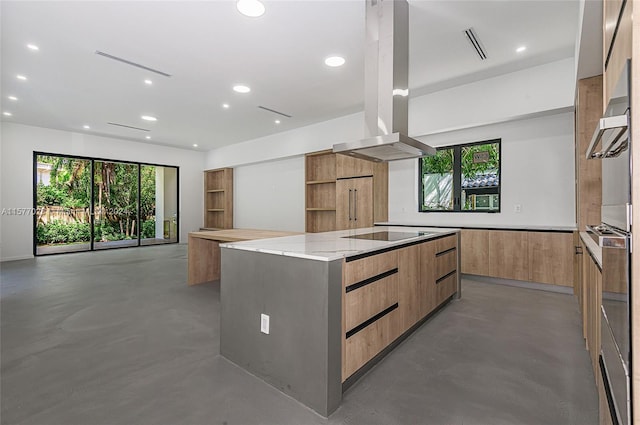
(207,47)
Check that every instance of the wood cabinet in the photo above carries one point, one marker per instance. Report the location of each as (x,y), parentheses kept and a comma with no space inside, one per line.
(344,192)
(592,290)
(386,294)
(542,257)
(218,199)
(354,203)
(618,30)
(475,252)
(509,254)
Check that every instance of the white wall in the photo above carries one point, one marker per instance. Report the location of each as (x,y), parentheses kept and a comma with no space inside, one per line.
(537,173)
(484,109)
(270,195)
(18,142)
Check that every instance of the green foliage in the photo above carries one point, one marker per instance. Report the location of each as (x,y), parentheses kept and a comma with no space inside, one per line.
(58,232)
(148,229)
(51,195)
(469,168)
(440,163)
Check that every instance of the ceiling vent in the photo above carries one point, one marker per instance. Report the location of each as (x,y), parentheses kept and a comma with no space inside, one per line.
(128,62)
(127,126)
(471,35)
(274,111)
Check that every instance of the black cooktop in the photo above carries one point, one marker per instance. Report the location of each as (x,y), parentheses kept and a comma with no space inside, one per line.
(388,236)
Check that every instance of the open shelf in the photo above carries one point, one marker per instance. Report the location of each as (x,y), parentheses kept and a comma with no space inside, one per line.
(218,198)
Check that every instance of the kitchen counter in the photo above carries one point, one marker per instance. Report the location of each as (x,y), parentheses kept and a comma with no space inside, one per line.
(489,227)
(324,308)
(204,251)
(330,246)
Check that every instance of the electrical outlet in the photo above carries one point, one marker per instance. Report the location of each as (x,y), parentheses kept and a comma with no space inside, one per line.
(264,324)
(517,208)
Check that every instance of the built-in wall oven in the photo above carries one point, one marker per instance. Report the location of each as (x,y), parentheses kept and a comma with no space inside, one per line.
(611,143)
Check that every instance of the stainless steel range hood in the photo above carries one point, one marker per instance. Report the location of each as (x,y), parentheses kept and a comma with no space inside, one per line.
(386,81)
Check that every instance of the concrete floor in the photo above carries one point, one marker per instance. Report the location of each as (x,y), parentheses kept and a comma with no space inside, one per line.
(117,337)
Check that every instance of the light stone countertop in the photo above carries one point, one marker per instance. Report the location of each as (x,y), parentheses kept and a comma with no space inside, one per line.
(593,247)
(490,226)
(329,246)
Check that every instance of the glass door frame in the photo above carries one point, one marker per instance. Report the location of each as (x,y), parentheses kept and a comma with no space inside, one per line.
(92,161)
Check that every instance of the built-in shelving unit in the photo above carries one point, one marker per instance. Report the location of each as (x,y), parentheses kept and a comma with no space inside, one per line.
(218,198)
(320,196)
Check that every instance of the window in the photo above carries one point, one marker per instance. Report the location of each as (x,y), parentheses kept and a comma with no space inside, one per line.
(463,178)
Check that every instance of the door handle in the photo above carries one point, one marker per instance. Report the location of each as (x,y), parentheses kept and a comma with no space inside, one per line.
(355,204)
(349,204)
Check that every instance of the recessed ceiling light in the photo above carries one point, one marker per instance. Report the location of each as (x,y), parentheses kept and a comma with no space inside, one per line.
(149,118)
(225,105)
(147,137)
(8,114)
(334,61)
(86,127)
(21,77)
(251,8)
(240,88)
(148,82)
(33,47)
(12,98)
(521,49)
(277,121)
(195,145)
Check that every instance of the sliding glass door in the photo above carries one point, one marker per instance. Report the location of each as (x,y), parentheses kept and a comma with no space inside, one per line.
(86,204)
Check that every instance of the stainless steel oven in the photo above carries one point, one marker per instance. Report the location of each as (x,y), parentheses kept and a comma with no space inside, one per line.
(612,144)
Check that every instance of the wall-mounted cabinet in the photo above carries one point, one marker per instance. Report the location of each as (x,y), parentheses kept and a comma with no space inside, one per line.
(344,192)
(218,199)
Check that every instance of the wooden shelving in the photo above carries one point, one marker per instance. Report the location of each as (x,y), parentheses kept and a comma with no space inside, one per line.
(218,198)
(320,196)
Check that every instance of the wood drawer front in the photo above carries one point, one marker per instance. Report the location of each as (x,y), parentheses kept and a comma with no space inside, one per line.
(446,262)
(366,301)
(446,286)
(368,267)
(446,243)
(364,345)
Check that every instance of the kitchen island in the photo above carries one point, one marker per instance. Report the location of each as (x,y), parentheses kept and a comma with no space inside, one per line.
(309,314)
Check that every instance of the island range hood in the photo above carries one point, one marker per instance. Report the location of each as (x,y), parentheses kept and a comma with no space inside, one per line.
(386,82)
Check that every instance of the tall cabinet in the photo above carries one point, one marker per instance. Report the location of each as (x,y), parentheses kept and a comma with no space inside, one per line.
(344,192)
(218,199)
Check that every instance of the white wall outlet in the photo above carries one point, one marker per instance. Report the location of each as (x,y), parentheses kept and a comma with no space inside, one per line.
(517,208)
(264,324)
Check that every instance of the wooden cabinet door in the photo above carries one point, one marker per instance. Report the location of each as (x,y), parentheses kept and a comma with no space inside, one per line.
(362,202)
(551,258)
(409,301)
(427,281)
(509,255)
(347,166)
(354,203)
(475,252)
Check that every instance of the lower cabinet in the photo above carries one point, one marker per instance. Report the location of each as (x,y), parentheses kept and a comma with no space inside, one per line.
(543,257)
(385,294)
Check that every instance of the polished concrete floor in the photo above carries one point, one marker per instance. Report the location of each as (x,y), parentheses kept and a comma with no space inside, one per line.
(116,337)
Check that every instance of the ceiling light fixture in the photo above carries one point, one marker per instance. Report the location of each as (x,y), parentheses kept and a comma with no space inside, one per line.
(149,118)
(148,82)
(8,114)
(250,8)
(240,88)
(334,61)
(521,49)
(195,145)
(33,47)
(147,137)
(21,77)
(225,105)
(277,121)
(12,98)
(86,127)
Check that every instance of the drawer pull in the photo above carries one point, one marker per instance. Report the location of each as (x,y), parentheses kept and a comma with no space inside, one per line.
(367,322)
(445,252)
(445,276)
(366,282)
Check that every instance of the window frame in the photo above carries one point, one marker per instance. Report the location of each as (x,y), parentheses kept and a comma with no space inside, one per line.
(457,179)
